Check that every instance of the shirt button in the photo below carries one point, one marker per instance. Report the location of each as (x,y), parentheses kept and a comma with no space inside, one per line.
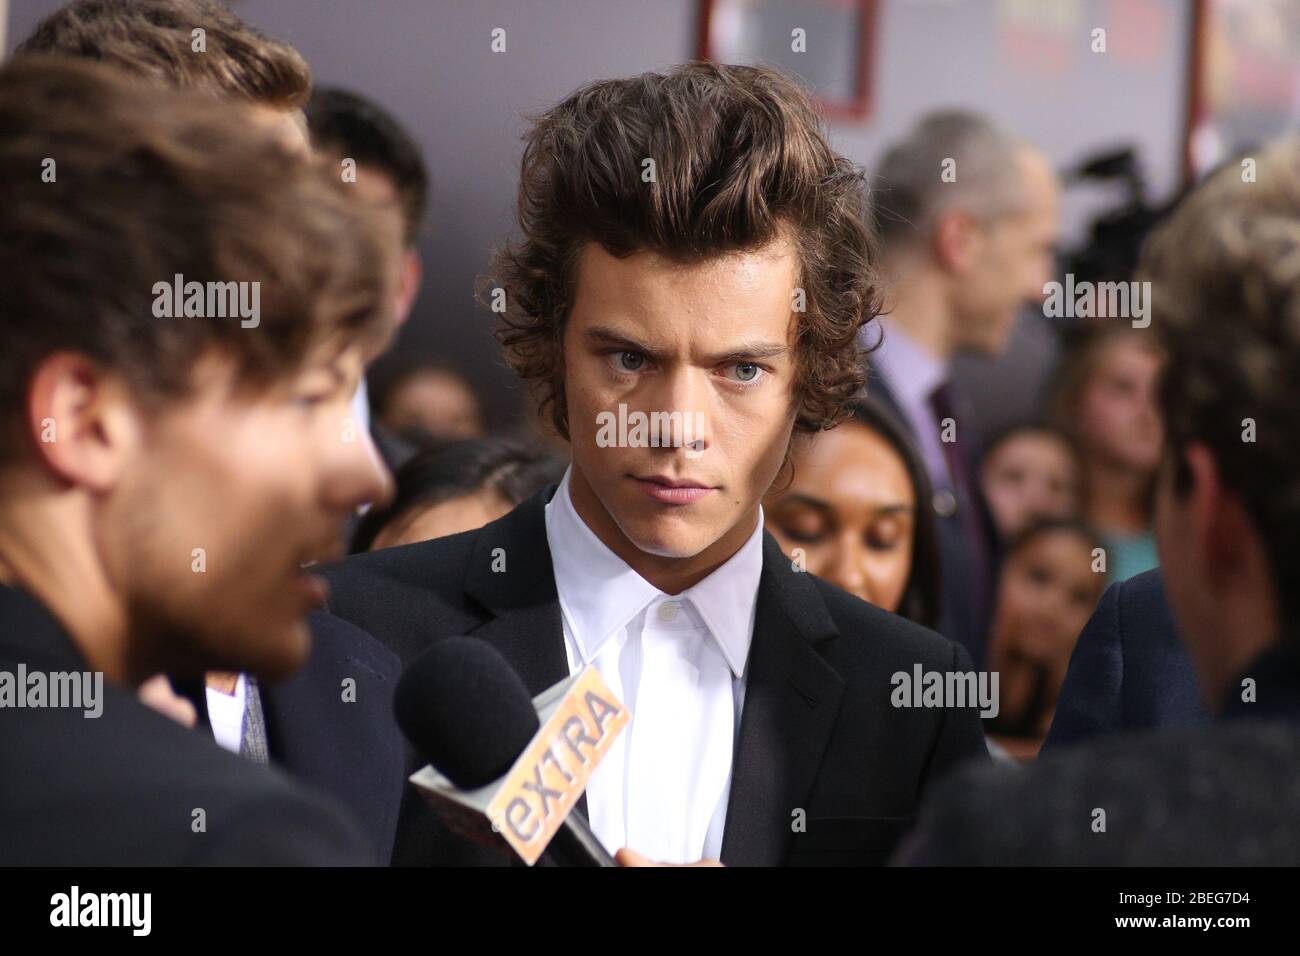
(668,611)
(945,503)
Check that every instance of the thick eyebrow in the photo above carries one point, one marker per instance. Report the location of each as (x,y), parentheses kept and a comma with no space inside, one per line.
(605,335)
(804,499)
(895,510)
(819,505)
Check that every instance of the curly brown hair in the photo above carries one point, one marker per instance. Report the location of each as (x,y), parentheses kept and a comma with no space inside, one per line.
(739,154)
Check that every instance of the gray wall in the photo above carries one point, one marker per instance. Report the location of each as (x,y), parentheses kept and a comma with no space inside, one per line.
(429,61)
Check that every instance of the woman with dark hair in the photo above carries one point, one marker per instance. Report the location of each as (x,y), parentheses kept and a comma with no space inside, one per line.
(857,513)
(454,488)
(1030,471)
(1049,586)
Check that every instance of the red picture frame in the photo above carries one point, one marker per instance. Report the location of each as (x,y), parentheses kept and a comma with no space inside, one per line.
(858,106)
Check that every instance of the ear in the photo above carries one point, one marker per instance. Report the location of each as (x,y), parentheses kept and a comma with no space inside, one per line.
(408,283)
(957,241)
(1222,529)
(82,420)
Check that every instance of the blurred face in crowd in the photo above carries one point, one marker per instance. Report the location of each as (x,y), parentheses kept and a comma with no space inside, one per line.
(378,188)
(1030,475)
(850,513)
(426,522)
(712,341)
(1046,593)
(219,499)
(1118,418)
(437,403)
(1000,266)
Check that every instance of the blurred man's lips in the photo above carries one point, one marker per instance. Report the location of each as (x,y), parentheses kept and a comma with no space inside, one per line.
(315,589)
(672,491)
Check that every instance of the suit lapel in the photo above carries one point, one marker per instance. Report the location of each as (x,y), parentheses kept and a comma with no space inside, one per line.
(526,627)
(792,699)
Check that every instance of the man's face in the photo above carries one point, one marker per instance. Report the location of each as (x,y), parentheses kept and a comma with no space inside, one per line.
(378,189)
(1012,259)
(224,498)
(712,342)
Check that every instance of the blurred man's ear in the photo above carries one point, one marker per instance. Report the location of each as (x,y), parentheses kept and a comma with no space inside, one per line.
(956,241)
(1223,531)
(82,421)
(408,284)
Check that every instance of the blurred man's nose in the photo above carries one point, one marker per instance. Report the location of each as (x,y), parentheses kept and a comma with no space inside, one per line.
(359,476)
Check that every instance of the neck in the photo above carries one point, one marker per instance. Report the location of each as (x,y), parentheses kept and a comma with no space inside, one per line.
(1248,629)
(47,550)
(1118,498)
(671,575)
(921,310)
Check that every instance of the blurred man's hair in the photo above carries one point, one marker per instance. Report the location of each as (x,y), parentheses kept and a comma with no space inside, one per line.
(360,129)
(740,157)
(1225,275)
(148,184)
(154,39)
(910,192)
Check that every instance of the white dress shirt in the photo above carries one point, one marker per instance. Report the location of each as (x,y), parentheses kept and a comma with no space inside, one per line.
(678,664)
(226,715)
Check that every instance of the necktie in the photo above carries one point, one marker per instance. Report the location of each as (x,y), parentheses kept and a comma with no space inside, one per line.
(252,735)
(942,404)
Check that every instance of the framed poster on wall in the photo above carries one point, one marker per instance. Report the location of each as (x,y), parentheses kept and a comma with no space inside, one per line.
(827,43)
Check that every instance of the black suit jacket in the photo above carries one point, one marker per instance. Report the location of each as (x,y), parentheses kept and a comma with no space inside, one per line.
(818,733)
(349,748)
(122,789)
(1129,670)
(967,606)
(1218,794)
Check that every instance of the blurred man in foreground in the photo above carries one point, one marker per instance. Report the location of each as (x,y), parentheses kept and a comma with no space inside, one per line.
(1225,274)
(187,306)
(330,723)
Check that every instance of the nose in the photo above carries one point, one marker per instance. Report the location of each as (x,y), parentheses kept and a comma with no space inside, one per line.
(847,568)
(358,475)
(682,404)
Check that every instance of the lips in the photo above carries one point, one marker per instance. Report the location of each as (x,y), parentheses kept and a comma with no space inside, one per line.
(672,491)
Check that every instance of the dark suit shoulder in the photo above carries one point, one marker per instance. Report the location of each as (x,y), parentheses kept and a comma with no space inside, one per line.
(428,564)
(1143,594)
(404,596)
(886,637)
(131,787)
(1170,797)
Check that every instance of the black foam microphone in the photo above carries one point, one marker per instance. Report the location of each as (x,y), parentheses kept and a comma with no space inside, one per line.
(468,713)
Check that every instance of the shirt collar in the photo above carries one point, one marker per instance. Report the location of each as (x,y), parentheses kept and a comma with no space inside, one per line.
(912,372)
(599,593)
